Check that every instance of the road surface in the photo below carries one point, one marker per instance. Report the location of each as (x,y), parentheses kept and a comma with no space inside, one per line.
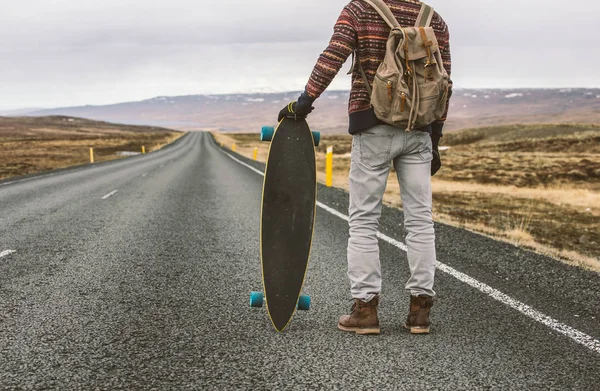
(135,274)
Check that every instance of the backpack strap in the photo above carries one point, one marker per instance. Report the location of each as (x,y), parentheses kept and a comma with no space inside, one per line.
(364,77)
(388,17)
(385,12)
(425,16)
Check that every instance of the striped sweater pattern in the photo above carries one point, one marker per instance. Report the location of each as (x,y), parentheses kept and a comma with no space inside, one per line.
(359,27)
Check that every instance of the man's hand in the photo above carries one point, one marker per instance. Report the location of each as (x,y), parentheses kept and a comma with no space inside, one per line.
(294,110)
(436,134)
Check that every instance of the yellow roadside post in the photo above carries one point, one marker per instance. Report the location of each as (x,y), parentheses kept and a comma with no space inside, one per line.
(255,153)
(329,167)
(143,150)
(233,147)
(91,155)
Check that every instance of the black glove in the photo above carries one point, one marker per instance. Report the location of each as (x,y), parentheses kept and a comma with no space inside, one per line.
(436,163)
(294,110)
(436,134)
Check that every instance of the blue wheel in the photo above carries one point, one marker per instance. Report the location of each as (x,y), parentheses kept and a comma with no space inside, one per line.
(317,138)
(266,133)
(304,302)
(256,299)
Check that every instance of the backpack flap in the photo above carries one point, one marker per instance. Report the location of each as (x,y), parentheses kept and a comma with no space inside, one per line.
(420,53)
(421,43)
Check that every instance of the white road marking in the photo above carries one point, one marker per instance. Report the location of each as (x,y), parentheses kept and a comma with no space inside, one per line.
(66,171)
(112,193)
(576,335)
(523,308)
(31,178)
(243,164)
(7,252)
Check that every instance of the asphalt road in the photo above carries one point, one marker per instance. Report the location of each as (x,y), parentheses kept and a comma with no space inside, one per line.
(147,288)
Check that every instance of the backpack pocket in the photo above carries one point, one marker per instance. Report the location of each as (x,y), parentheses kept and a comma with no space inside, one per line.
(443,85)
(382,98)
(443,100)
(429,99)
(402,108)
(391,101)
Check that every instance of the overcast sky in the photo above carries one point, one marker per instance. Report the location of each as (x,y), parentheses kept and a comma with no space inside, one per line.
(74,52)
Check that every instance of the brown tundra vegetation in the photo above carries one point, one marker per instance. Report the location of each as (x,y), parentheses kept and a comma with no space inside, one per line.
(33,144)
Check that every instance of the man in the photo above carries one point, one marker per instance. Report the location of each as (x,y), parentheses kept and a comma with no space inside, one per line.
(375,144)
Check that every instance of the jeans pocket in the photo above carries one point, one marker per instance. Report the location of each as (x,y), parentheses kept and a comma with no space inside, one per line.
(375,149)
(425,146)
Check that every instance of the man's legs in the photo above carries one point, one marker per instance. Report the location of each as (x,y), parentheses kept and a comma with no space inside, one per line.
(414,176)
(369,170)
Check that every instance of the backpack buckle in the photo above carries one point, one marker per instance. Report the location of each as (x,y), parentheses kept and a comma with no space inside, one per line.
(426,73)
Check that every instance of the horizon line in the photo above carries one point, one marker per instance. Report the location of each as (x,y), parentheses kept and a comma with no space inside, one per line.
(5,110)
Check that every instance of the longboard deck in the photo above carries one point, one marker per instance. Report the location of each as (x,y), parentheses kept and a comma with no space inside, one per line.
(287,217)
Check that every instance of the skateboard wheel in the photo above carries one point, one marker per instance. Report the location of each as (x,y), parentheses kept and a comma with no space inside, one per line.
(256,299)
(266,133)
(317,138)
(304,302)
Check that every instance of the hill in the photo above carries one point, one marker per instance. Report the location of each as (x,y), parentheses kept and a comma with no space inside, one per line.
(248,112)
(59,125)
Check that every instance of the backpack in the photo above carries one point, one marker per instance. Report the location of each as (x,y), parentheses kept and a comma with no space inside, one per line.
(410,89)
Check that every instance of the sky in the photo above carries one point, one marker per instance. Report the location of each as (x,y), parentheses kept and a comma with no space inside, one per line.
(76,52)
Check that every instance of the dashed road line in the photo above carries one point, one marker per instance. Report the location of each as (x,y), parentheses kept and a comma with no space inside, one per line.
(568,331)
(112,193)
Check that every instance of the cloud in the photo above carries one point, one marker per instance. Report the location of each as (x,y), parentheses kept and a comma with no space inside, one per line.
(77,23)
(68,52)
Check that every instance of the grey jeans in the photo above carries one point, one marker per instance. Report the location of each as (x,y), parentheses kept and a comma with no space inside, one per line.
(372,152)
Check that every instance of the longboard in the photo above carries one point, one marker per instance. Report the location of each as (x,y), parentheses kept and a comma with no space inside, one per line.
(287,219)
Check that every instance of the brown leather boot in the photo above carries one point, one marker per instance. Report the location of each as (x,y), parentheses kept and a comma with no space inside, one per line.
(418,316)
(362,319)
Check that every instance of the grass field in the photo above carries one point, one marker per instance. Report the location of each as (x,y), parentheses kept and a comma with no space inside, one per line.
(33,144)
(537,186)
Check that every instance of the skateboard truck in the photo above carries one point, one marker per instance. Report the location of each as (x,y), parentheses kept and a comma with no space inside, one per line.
(266,134)
(257,299)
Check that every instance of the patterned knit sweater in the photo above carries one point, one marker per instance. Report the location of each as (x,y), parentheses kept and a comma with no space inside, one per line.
(360,28)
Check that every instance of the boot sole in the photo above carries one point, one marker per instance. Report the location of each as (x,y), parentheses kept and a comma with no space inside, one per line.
(417,329)
(359,330)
